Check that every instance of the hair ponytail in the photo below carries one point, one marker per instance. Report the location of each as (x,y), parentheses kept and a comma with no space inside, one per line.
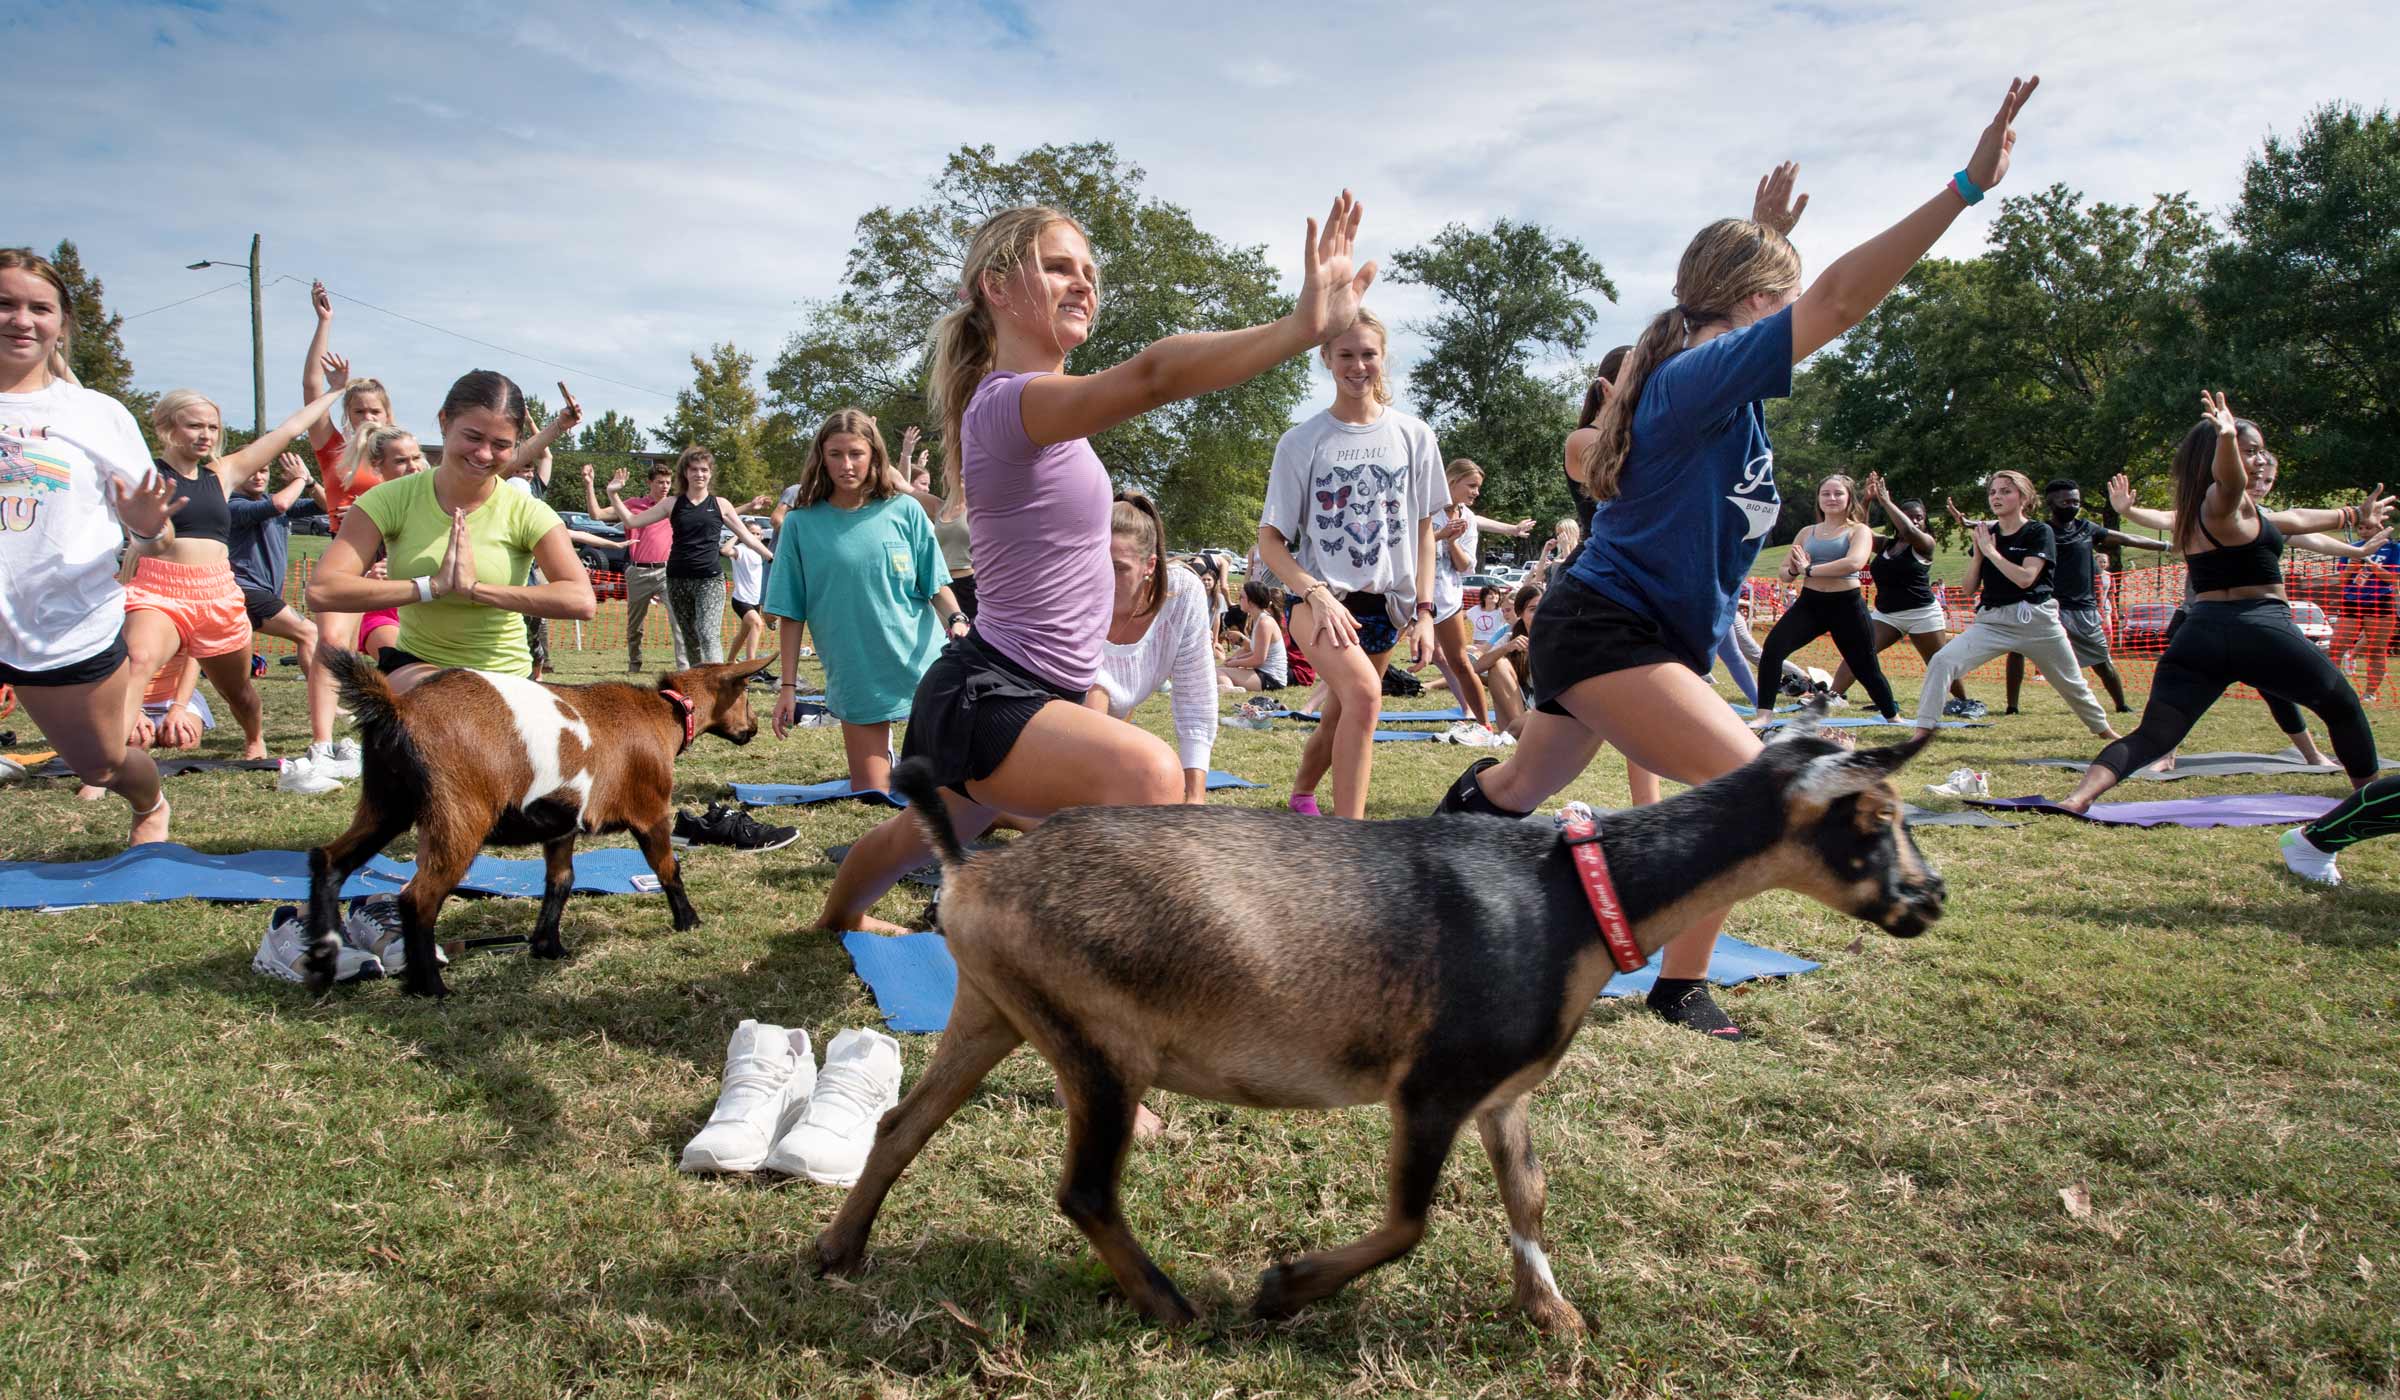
(1725,264)
(1135,517)
(965,340)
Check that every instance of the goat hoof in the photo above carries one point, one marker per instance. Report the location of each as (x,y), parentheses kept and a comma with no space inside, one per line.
(553,950)
(837,1258)
(431,986)
(1275,1289)
(1170,1309)
(684,923)
(316,972)
(1556,1317)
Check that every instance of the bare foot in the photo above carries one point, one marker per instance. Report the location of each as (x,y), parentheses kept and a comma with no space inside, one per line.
(1146,1124)
(865,923)
(88,793)
(253,751)
(2309,752)
(2164,765)
(151,825)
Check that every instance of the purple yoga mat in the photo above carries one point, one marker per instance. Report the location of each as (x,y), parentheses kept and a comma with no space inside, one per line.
(2225,809)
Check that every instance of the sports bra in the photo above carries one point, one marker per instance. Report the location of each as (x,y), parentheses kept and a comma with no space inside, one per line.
(2250,564)
(1824,549)
(205,515)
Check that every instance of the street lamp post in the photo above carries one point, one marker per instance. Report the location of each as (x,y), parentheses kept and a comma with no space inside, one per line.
(258,335)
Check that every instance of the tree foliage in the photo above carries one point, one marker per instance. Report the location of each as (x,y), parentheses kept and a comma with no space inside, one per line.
(96,350)
(1204,460)
(610,434)
(2304,303)
(1514,297)
(721,411)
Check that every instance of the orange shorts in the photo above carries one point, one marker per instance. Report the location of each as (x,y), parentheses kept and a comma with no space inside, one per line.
(202,600)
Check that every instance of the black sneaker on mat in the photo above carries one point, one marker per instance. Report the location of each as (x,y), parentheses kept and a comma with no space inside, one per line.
(1689,1004)
(731,826)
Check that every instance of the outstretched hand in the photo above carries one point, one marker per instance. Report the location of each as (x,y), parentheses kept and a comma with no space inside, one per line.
(2213,408)
(1332,287)
(1773,205)
(570,412)
(2120,494)
(1989,165)
(1955,514)
(146,509)
(337,370)
(294,468)
(320,299)
(2376,511)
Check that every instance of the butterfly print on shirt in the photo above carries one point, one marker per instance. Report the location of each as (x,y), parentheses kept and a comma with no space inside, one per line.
(1366,558)
(1333,500)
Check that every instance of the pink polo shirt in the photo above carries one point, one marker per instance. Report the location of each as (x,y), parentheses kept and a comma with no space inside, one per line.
(650,543)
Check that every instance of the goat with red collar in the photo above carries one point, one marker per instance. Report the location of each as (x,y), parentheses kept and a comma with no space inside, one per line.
(1439,966)
(474,759)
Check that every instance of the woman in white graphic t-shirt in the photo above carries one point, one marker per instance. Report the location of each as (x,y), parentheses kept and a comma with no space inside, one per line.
(1349,527)
(75,479)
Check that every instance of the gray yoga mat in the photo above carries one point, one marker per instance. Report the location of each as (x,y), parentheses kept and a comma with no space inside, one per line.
(2213,765)
(1915,815)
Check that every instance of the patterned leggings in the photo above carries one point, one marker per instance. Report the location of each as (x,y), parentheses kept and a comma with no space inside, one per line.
(696,608)
(2373,810)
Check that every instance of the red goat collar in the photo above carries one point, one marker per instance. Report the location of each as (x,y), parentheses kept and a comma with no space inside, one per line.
(689,713)
(1591,866)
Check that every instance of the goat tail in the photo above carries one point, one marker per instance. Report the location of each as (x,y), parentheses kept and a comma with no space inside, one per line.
(363,689)
(913,779)
(397,776)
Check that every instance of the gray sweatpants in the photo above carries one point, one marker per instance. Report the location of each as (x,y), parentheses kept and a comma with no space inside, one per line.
(2032,631)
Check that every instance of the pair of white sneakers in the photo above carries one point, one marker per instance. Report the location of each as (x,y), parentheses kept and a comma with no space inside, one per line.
(322,768)
(371,942)
(779,1113)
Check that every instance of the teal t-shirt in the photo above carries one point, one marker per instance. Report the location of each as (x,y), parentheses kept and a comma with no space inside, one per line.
(863,580)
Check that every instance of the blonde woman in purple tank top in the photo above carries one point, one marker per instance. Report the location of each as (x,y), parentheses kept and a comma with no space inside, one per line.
(1000,713)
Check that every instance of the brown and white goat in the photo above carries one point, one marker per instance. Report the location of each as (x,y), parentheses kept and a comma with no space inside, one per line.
(1440,966)
(472,759)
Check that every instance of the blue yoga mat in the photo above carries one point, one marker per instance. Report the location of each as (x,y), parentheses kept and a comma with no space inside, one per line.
(161,870)
(1405,736)
(1873,722)
(801,794)
(2224,809)
(1219,778)
(1449,716)
(914,980)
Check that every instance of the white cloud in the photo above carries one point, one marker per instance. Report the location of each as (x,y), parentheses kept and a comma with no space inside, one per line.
(614,185)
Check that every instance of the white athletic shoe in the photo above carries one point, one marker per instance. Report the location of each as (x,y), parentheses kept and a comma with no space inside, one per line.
(769,1074)
(11,771)
(2302,858)
(372,925)
(285,943)
(861,1083)
(1963,782)
(302,776)
(339,759)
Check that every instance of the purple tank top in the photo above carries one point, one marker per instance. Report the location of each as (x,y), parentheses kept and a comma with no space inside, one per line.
(1037,520)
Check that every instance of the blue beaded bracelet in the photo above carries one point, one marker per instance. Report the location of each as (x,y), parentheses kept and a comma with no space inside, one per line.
(1967,189)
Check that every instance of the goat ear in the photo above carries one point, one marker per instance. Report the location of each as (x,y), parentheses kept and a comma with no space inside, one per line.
(1808,721)
(1837,775)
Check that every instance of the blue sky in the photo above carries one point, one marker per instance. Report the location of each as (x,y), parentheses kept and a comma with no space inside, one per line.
(614,185)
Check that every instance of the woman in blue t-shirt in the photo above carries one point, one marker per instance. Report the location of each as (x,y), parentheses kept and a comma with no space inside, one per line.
(1683,461)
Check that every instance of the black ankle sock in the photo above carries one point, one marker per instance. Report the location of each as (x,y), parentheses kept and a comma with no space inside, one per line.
(1466,795)
(1685,1001)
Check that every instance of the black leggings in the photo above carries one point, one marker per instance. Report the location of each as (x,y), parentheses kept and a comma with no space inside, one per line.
(2285,714)
(2373,810)
(2253,643)
(1812,615)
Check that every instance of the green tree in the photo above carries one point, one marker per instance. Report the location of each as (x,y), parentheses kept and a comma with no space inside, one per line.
(2305,306)
(721,411)
(612,433)
(1204,461)
(96,350)
(1513,298)
(2068,349)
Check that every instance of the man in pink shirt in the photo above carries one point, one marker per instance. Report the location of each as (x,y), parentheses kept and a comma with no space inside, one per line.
(645,559)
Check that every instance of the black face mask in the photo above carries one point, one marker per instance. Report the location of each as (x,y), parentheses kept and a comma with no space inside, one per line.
(2060,515)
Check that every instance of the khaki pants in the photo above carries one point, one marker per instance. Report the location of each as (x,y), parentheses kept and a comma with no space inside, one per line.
(2031,631)
(645,584)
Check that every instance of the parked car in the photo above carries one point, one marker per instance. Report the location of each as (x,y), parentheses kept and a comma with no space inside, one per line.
(2142,627)
(308,517)
(2313,624)
(590,525)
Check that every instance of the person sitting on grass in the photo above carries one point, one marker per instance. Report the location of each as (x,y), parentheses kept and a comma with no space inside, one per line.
(1262,665)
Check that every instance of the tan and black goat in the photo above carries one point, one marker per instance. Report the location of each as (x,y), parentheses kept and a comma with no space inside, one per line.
(1439,966)
(472,759)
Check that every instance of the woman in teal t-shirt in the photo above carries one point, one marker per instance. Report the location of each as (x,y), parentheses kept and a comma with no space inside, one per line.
(857,562)
(456,544)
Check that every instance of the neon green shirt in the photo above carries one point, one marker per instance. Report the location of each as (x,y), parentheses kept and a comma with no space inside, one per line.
(453,630)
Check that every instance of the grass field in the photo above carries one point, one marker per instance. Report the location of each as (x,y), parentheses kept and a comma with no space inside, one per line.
(216,1186)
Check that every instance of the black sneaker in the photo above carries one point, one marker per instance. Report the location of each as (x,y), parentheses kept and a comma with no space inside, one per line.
(691,830)
(1689,1004)
(731,826)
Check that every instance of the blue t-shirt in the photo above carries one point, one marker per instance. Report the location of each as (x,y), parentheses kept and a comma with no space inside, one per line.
(2370,589)
(863,580)
(258,544)
(1696,495)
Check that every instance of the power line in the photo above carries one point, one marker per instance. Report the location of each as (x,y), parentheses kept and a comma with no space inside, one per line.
(488,345)
(170,306)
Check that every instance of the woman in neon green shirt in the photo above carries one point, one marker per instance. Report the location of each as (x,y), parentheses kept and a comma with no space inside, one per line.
(446,533)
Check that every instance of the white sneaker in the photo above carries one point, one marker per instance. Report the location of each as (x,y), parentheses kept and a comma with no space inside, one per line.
(2302,858)
(860,1084)
(285,943)
(769,1073)
(372,925)
(302,776)
(339,759)
(1963,782)
(11,771)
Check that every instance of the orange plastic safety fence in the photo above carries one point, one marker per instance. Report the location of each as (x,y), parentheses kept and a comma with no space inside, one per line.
(604,634)
(2347,612)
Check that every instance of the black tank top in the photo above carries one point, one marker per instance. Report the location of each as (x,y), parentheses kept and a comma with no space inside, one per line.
(698,528)
(1585,508)
(205,515)
(2246,565)
(1903,582)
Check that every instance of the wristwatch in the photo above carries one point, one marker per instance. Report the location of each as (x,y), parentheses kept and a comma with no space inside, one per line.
(1425,609)
(956,617)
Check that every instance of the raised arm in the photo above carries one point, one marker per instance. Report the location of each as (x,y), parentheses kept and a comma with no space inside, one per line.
(2120,500)
(295,481)
(1855,282)
(1905,529)
(320,359)
(535,451)
(2339,549)
(1062,407)
(2370,515)
(2118,539)
(1494,527)
(741,530)
(269,445)
(1975,535)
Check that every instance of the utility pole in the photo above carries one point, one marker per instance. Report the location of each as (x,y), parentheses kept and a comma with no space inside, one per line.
(258,349)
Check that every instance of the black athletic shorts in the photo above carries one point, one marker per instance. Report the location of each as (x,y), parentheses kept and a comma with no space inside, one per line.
(92,669)
(261,603)
(1376,634)
(969,709)
(742,609)
(391,659)
(1578,635)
